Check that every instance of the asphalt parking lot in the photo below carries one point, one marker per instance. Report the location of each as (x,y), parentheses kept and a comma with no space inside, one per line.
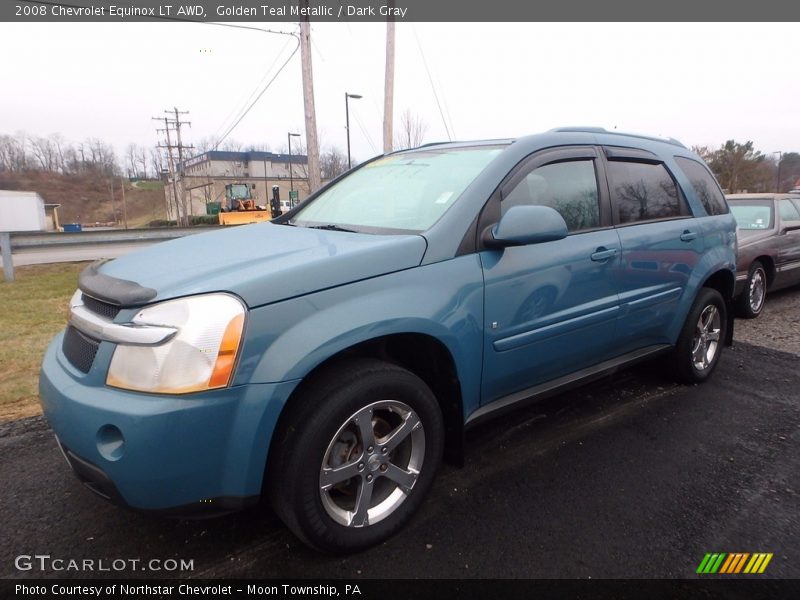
(634,476)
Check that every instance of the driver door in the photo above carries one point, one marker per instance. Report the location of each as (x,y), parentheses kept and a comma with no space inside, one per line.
(550,308)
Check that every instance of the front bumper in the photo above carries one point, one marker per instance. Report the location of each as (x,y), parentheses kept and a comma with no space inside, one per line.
(204,451)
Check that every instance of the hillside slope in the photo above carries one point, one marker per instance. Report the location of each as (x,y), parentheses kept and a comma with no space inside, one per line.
(87,198)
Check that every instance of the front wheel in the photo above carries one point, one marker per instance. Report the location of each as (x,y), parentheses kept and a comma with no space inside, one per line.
(700,344)
(750,302)
(355,458)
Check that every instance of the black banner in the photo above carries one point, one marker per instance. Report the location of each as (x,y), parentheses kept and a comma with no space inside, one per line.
(373,589)
(265,11)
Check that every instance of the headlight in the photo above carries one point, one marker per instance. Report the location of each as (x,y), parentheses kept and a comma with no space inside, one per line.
(200,356)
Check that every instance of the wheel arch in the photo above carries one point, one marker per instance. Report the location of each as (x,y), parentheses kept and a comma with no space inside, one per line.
(424,355)
(768,263)
(724,282)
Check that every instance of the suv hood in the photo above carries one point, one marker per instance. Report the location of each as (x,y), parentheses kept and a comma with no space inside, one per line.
(261,263)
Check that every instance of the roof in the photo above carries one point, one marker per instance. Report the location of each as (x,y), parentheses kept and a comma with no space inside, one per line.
(228,156)
(579,135)
(763,196)
(19,194)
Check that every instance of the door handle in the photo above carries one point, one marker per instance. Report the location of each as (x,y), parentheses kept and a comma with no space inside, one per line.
(603,253)
(688,236)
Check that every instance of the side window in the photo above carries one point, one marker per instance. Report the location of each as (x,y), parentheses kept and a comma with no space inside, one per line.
(568,187)
(705,187)
(788,210)
(642,191)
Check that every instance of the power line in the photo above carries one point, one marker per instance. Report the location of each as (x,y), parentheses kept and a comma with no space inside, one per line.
(257,98)
(234,113)
(433,87)
(364,131)
(253,103)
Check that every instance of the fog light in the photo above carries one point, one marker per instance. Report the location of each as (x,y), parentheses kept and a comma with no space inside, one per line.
(110,443)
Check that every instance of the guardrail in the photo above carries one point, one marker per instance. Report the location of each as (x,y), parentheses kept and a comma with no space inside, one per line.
(12,242)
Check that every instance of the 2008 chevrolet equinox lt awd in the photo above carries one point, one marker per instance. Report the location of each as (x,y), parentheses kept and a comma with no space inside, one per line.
(331,357)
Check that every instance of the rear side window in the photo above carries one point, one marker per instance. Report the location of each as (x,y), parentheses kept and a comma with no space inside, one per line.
(568,187)
(642,191)
(705,187)
(788,211)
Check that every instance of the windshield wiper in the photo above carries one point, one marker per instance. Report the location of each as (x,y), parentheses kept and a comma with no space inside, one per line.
(332,227)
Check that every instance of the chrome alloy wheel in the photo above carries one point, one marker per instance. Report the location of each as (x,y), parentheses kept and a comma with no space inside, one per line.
(372,463)
(706,339)
(757,290)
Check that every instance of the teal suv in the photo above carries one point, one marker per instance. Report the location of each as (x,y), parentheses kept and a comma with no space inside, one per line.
(329,359)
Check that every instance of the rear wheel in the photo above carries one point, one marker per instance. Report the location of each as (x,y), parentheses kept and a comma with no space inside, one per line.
(750,302)
(699,346)
(355,459)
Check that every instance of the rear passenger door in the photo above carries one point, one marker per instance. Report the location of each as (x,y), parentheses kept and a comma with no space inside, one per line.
(661,247)
(788,268)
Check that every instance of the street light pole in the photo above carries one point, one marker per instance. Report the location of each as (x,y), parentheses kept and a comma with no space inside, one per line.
(289,137)
(778,183)
(347,122)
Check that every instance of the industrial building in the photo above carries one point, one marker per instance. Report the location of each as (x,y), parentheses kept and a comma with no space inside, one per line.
(204,178)
(26,211)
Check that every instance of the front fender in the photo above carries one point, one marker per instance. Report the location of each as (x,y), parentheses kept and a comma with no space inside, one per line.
(287,340)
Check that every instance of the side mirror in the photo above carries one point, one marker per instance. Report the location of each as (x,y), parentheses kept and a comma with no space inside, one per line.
(523,225)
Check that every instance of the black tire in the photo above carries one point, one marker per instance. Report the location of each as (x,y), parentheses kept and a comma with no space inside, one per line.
(750,302)
(322,431)
(691,364)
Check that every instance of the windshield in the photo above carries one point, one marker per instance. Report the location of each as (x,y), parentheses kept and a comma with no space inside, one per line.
(753,214)
(403,192)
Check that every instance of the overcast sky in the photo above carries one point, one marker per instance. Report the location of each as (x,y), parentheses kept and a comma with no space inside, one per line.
(700,83)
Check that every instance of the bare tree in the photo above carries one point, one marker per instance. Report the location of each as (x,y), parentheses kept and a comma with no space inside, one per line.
(60,145)
(411,131)
(205,144)
(141,162)
(131,158)
(13,154)
(45,154)
(231,146)
(332,162)
(157,162)
(257,148)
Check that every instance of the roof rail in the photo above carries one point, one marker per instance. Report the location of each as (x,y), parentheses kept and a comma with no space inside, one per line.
(668,140)
(579,130)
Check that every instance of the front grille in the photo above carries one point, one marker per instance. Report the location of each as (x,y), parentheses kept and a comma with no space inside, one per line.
(79,349)
(104,309)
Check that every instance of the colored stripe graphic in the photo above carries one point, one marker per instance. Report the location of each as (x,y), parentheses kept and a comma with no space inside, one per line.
(727,564)
(765,563)
(711,563)
(703,563)
(715,567)
(733,563)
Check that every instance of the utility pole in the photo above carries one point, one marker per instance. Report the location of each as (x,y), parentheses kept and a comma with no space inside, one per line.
(388,93)
(178,123)
(113,205)
(171,164)
(124,204)
(312,145)
(170,126)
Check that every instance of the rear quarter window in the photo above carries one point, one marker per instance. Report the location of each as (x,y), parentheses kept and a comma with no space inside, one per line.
(705,187)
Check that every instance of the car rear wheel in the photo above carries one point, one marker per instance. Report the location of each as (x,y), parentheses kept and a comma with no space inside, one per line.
(750,302)
(355,458)
(700,344)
